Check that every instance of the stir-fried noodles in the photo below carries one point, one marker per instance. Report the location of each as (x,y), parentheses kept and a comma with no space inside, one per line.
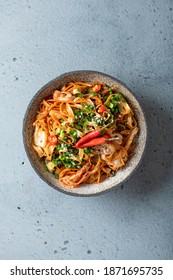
(85,132)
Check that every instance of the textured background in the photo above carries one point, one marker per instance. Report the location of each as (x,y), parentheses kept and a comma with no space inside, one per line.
(130,40)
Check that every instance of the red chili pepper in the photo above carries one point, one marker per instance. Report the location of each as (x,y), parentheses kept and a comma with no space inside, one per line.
(101,109)
(91,135)
(94,142)
(52,139)
(106,135)
(97,141)
(96,88)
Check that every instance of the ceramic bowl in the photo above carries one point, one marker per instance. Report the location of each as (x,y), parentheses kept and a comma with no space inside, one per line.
(121,175)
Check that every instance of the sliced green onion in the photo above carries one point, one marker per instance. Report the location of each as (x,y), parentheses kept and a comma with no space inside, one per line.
(85,124)
(94,93)
(111,105)
(58,130)
(58,147)
(76,112)
(88,150)
(110,91)
(55,175)
(80,95)
(74,134)
(62,135)
(79,127)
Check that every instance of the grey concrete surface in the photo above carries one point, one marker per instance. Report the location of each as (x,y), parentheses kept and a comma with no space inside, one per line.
(130,40)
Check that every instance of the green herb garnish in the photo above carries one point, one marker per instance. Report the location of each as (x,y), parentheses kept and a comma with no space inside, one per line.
(62,135)
(88,150)
(58,130)
(110,91)
(74,134)
(80,95)
(94,93)
(78,126)
(55,175)
(118,97)
(85,124)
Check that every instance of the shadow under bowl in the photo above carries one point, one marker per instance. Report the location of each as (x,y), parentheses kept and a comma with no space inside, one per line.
(39,166)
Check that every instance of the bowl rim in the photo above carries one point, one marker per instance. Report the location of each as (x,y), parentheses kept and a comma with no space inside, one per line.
(65,191)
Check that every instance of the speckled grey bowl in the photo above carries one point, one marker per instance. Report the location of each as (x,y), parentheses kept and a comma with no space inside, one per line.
(121,175)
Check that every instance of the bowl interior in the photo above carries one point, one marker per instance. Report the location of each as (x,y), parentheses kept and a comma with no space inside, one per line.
(85,76)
